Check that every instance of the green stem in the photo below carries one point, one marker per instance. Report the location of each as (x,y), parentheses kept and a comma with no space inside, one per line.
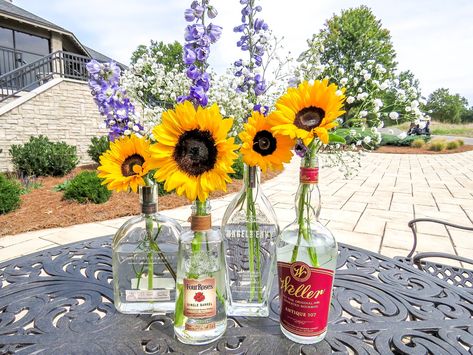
(303,210)
(251,244)
(149,232)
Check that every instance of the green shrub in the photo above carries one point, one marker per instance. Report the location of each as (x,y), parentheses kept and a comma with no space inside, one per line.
(417,143)
(460,142)
(87,187)
(437,145)
(390,139)
(41,157)
(97,147)
(10,191)
(238,166)
(453,145)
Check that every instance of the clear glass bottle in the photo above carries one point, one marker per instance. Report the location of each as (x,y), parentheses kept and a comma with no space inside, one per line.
(200,315)
(306,263)
(144,259)
(250,230)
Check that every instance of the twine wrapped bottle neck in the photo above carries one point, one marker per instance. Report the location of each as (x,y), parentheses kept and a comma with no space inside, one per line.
(201,218)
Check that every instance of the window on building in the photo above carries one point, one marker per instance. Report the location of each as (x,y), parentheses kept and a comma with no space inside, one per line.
(6,37)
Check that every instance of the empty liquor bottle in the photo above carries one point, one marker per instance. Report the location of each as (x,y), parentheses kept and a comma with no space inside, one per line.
(250,230)
(306,263)
(144,258)
(200,316)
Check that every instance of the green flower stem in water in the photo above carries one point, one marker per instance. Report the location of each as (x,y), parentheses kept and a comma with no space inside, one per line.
(253,240)
(303,210)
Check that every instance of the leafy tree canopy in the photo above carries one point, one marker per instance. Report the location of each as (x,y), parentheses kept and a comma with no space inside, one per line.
(446,107)
(356,35)
(170,55)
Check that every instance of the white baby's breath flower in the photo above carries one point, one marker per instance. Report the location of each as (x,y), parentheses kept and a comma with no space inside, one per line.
(408,109)
(343,81)
(350,99)
(363,113)
(339,92)
(367,140)
(393,115)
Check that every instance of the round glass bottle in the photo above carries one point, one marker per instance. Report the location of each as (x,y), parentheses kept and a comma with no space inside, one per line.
(250,230)
(200,314)
(144,259)
(306,263)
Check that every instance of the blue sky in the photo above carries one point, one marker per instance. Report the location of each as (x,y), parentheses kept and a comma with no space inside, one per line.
(433,38)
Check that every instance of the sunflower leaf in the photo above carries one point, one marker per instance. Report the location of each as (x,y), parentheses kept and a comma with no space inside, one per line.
(333,138)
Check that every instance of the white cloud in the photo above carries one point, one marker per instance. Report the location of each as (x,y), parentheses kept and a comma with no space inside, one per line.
(433,38)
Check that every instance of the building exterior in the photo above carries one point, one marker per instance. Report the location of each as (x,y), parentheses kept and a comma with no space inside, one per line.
(43,84)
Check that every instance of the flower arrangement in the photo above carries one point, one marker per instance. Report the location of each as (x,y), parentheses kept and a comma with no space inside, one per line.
(306,114)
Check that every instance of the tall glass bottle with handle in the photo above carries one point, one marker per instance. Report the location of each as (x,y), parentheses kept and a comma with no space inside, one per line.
(144,258)
(250,229)
(306,263)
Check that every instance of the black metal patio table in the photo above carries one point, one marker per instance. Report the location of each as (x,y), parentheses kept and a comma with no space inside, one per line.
(60,301)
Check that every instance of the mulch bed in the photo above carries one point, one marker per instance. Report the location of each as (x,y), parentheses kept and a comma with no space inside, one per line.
(44,208)
(389,149)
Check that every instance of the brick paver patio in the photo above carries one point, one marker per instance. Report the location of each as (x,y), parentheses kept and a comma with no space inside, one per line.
(370,210)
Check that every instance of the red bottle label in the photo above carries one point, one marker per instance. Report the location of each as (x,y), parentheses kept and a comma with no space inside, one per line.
(309,175)
(305,294)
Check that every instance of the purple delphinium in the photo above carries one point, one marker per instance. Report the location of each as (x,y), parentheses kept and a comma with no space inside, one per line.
(198,38)
(112,100)
(254,41)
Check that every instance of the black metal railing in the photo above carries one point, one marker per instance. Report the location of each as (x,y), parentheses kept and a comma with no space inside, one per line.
(30,76)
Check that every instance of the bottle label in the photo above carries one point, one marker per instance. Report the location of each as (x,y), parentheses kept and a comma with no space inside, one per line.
(147,295)
(304,294)
(309,175)
(200,298)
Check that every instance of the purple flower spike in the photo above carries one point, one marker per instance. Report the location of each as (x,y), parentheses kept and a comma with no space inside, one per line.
(197,49)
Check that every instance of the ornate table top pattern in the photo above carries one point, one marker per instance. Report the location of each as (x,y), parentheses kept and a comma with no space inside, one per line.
(60,301)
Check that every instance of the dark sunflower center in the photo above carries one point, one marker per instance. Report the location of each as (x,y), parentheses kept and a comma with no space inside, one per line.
(264,143)
(308,118)
(130,162)
(195,152)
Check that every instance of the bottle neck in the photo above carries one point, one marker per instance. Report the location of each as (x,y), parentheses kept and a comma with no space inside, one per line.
(308,195)
(201,219)
(148,199)
(251,177)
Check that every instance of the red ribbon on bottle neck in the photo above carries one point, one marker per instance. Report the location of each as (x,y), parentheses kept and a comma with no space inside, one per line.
(309,175)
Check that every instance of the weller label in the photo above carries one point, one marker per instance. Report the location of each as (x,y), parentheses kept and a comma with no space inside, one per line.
(305,294)
(200,298)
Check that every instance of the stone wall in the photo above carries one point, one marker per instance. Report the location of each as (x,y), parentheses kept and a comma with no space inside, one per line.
(64,111)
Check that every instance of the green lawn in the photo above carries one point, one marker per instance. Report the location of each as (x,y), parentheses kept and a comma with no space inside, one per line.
(445,129)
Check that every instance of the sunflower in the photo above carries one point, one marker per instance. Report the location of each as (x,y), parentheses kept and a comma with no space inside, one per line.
(126,162)
(263,148)
(193,154)
(308,111)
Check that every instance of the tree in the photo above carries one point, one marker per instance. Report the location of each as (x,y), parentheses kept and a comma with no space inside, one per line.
(355,52)
(170,55)
(446,107)
(356,36)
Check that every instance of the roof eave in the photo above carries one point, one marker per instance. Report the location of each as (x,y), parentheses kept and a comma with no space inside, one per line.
(49,28)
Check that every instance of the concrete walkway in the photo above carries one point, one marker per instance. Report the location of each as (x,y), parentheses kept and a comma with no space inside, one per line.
(370,211)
